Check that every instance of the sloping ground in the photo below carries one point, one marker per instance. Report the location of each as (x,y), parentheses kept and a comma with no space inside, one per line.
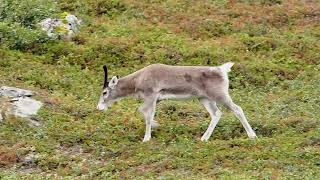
(276,80)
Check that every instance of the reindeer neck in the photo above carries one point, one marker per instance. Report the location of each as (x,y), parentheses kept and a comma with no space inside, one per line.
(126,86)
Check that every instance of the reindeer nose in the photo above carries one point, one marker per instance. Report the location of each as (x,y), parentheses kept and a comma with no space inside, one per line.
(101,107)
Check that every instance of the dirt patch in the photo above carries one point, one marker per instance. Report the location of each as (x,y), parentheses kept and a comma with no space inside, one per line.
(9,155)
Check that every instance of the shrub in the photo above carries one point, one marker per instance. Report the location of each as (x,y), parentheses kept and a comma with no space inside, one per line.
(215,29)
(18,37)
(263,2)
(19,19)
(27,12)
(94,7)
(254,30)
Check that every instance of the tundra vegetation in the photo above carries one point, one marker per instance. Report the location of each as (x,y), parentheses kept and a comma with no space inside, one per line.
(273,43)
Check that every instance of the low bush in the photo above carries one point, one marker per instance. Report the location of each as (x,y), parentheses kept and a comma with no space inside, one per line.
(19,19)
(18,37)
(28,12)
(94,7)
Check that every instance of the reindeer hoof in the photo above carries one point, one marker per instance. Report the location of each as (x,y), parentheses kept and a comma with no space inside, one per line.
(253,137)
(204,139)
(155,124)
(146,139)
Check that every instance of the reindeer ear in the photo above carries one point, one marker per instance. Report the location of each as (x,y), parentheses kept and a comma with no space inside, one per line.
(105,68)
(113,82)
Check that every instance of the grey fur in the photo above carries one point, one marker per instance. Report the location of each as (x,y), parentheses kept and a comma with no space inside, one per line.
(158,81)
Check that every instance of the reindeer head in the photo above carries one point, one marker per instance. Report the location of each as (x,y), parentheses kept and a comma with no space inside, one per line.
(109,91)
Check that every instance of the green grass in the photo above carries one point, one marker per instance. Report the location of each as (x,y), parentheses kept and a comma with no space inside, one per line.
(275,80)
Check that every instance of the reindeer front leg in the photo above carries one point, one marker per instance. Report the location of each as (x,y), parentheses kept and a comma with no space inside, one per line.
(148,110)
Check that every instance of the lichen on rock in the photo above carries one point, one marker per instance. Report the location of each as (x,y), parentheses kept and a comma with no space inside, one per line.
(63,28)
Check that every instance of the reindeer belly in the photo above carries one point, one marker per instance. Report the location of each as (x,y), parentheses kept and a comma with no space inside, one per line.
(180,93)
(175,96)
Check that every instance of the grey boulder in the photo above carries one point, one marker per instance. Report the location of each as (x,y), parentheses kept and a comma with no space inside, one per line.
(13,92)
(64,28)
(18,103)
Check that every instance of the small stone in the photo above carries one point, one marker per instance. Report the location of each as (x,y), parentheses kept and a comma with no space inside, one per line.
(30,159)
(34,122)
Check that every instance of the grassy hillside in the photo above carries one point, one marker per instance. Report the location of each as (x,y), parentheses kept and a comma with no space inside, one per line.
(276,80)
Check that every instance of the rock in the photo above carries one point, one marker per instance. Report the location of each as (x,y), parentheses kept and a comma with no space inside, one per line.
(73,22)
(64,28)
(18,102)
(28,155)
(30,159)
(14,92)
(25,107)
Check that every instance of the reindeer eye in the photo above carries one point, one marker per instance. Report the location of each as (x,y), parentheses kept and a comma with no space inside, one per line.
(104,93)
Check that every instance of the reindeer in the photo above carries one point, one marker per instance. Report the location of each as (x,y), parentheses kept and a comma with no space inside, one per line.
(157,82)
